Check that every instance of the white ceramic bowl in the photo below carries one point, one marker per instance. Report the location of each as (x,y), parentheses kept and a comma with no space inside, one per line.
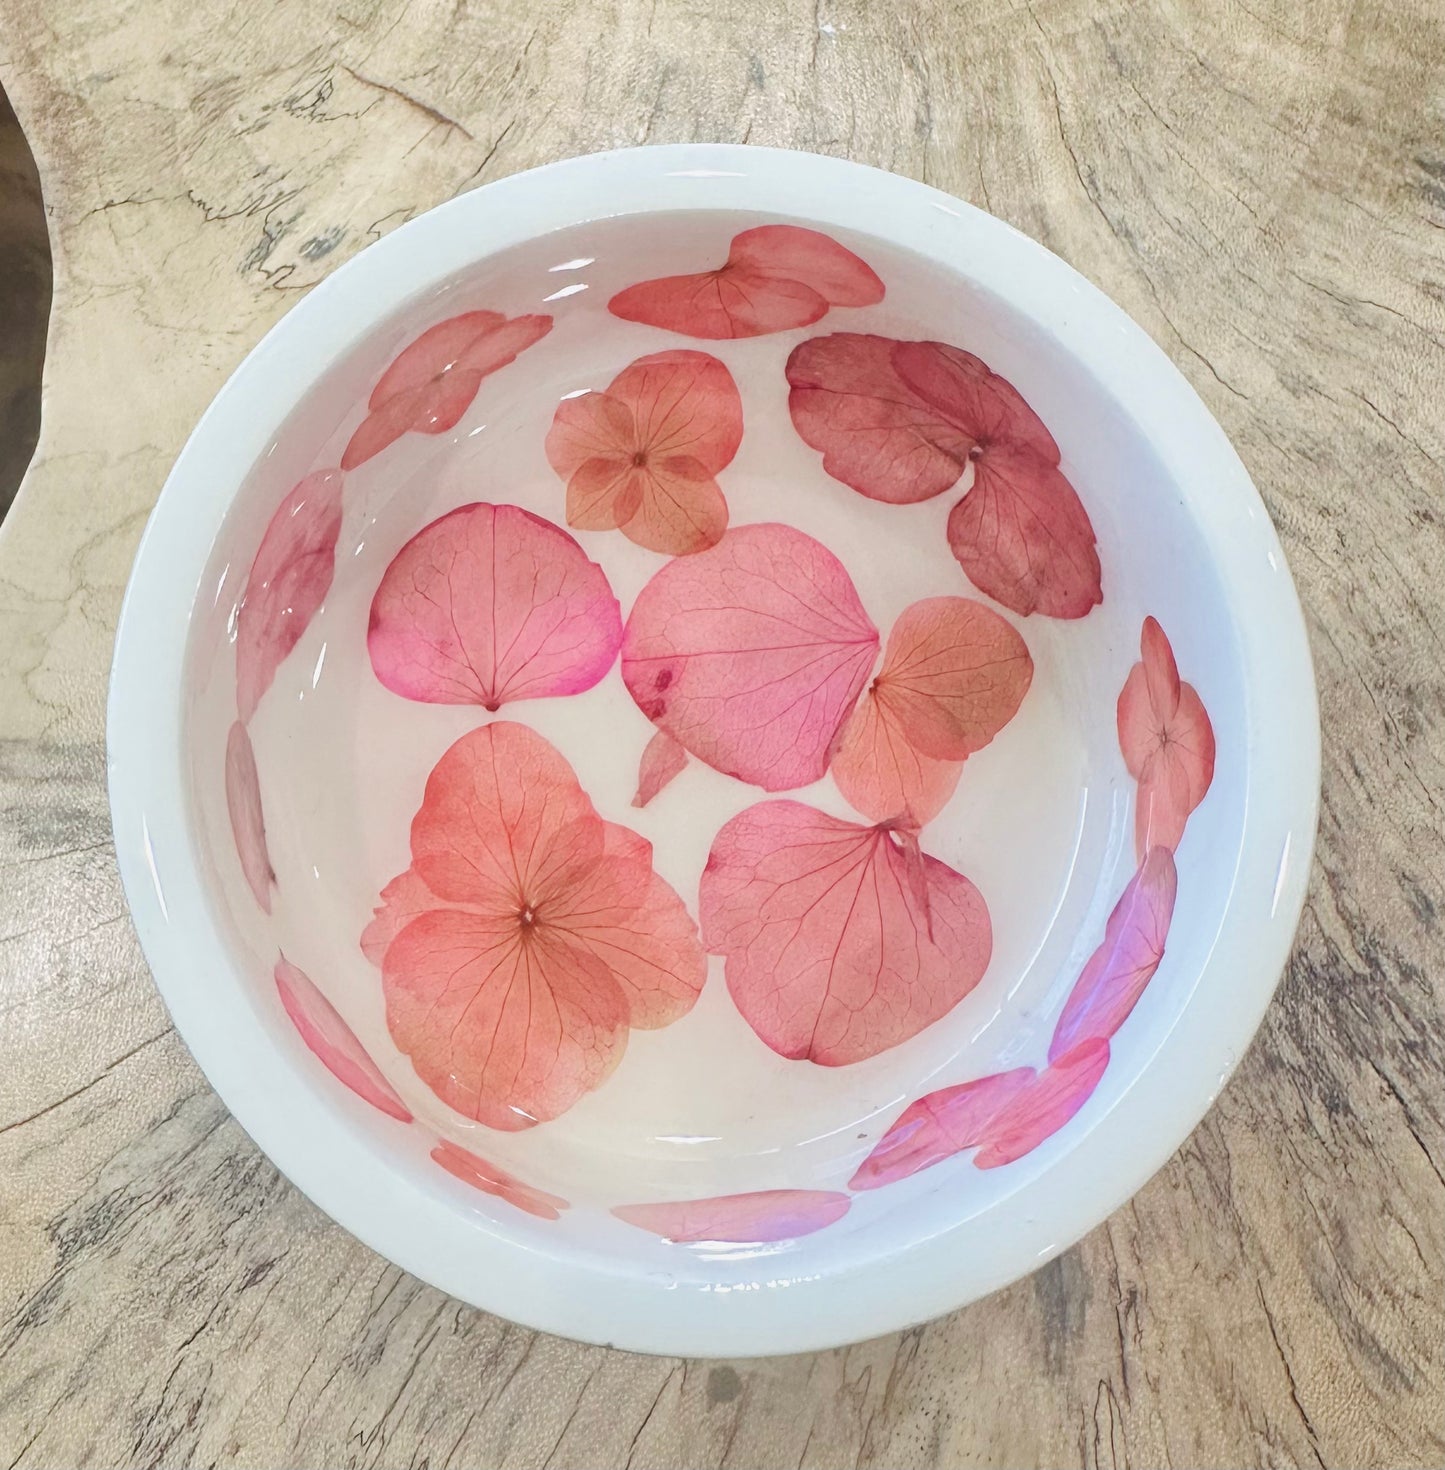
(727,1101)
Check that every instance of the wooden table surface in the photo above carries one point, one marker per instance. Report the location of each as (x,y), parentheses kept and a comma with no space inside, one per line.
(1262,185)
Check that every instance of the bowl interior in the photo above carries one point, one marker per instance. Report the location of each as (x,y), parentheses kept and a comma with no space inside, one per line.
(1042,821)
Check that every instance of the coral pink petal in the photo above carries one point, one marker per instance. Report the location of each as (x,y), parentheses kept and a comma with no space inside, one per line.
(1039,1110)
(506,1027)
(490,604)
(662,759)
(751,654)
(875,435)
(604,494)
(248,823)
(1161,806)
(290,577)
(589,426)
(437,351)
(1023,537)
(938,1126)
(739,1219)
(382,428)
(683,403)
(1117,972)
(954,674)
(1160,671)
(631,920)
(829,953)
(732,302)
(334,1042)
(680,511)
(503,817)
(962,389)
(491,1179)
(882,775)
(527,936)
(793,253)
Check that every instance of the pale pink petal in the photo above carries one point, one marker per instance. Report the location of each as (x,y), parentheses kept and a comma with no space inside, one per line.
(829,953)
(875,435)
(1117,972)
(739,1219)
(492,1179)
(681,511)
(938,1126)
(954,674)
(717,305)
(1160,671)
(1023,537)
(752,654)
(290,577)
(590,426)
(793,253)
(1161,804)
(490,604)
(882,775)
(334,1042)
(248,823)
(662,759)
(1039,1110)
(432,383)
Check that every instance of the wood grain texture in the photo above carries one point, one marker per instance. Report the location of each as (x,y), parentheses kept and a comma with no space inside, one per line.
(1262,186)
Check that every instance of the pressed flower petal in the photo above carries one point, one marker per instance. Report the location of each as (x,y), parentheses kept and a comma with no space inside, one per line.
(289,579)
(1040,1109)
(938,1126)
(493,1179)
(790,252)
(752,654)
(333,1041)
(883,775)
(739,1219)
(490,604)
(662,759)
(248,823)
(831,955)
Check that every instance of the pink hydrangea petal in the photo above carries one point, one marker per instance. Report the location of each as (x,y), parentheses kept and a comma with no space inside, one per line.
(739,1219)
(494,1180)
(334,1042)
(489,604)
(662,759)
(248,822)
(938,1126)
(528,935)
(289,579)
(751,654)
(718,305)
(875,435)
(830,956)
(954,674)
(1117,972)
(883,776)
(683,403)
(793,253)
(1039,1110)
(1022,536)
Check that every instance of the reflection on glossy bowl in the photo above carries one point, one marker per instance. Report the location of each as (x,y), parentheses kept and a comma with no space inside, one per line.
(376,734)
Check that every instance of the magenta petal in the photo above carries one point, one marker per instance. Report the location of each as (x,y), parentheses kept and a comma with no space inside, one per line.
(739,1219)
(751,654)
(1039,1110)
(248,823)
(289,579)
(334,1042)
(938,1126)
(1117,972)
(490,604)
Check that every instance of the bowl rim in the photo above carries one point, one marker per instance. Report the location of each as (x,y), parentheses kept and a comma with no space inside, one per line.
(330,1160)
